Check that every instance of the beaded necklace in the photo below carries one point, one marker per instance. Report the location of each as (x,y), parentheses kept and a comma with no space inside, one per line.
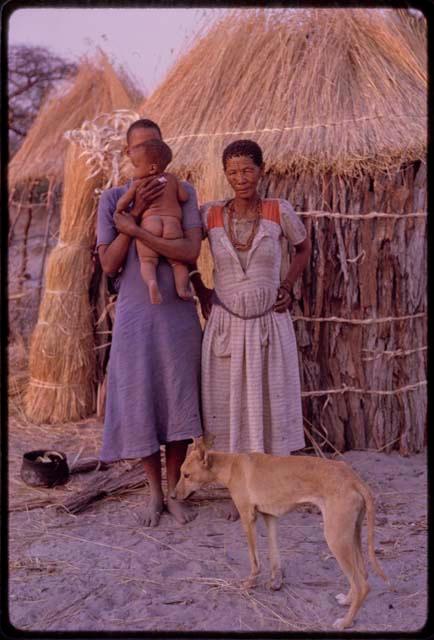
(243,246)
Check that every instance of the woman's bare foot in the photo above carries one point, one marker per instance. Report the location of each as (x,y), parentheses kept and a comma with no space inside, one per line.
(153,511)
(231,512)
(181,512)
(154,292)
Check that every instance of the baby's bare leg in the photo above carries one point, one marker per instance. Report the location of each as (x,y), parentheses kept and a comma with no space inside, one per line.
(149,258)
(182,282)
(172,230)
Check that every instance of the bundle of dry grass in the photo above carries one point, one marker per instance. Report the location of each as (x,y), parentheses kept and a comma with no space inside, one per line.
(97,88)
(62,356)
(102,143)
(326,89)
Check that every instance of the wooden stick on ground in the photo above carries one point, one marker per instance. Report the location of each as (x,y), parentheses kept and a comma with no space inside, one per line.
(112,482)
(88,465)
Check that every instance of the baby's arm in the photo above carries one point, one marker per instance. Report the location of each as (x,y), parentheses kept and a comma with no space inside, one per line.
(127,197)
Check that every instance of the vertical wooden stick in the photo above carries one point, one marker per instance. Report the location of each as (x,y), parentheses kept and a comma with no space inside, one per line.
(26,234)
(50,209)
(19,207)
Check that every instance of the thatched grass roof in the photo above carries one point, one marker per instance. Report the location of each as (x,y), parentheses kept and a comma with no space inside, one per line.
(319,89)
(97,88)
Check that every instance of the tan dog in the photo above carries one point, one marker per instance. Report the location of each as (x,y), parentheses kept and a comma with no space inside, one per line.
(272,486)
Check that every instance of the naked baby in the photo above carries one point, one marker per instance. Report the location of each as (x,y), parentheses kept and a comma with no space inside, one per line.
(162,218)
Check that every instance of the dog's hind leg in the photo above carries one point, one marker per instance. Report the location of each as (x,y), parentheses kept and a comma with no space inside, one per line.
(275,565)
(358,543)
(339,530)
(248,518)
(340,597)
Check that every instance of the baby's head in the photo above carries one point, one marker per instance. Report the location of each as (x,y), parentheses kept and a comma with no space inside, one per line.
(152,159)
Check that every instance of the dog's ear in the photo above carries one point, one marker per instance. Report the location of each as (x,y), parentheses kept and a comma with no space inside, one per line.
(198,445)
(208,439)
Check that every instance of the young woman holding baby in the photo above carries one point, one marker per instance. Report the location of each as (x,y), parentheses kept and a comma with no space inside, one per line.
(153,385)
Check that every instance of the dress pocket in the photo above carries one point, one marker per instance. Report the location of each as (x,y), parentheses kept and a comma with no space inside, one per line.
(221,340)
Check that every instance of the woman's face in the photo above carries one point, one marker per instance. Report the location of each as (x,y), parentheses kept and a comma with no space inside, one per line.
(243,175)
(135,143)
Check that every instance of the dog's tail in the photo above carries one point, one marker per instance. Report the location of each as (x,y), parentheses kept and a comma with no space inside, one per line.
(370,516)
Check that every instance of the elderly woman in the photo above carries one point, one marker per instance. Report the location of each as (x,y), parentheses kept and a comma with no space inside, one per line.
(154,369)
(251,398)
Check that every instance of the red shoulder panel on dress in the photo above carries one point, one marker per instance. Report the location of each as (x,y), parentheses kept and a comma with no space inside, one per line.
(215,217)
(271,210)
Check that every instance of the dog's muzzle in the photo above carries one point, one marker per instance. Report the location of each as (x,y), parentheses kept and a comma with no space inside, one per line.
(180,494)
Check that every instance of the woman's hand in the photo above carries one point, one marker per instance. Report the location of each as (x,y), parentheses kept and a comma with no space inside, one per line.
(126,224)
(205,295)
(146,191)
(284,300)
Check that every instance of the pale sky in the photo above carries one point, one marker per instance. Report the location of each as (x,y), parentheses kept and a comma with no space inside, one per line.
(145,41)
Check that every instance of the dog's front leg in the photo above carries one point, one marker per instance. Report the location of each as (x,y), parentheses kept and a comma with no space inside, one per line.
(275,565)
(248,521)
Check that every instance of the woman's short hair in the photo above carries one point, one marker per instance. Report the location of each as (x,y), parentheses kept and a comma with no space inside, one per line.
(248,148)
(143,123)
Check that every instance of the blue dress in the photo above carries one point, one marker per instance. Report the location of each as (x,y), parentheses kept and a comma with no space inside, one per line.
(153,385)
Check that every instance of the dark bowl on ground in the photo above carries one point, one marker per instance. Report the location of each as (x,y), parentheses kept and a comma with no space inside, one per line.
(44,474)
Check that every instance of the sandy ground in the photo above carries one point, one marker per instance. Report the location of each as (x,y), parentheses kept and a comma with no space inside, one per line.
(102,570)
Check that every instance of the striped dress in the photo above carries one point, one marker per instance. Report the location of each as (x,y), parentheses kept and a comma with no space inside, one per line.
(251,397)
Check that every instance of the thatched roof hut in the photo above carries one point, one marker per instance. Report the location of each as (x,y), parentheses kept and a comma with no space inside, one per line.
(36,176)
(327,89)
(337,100)
(97,88)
